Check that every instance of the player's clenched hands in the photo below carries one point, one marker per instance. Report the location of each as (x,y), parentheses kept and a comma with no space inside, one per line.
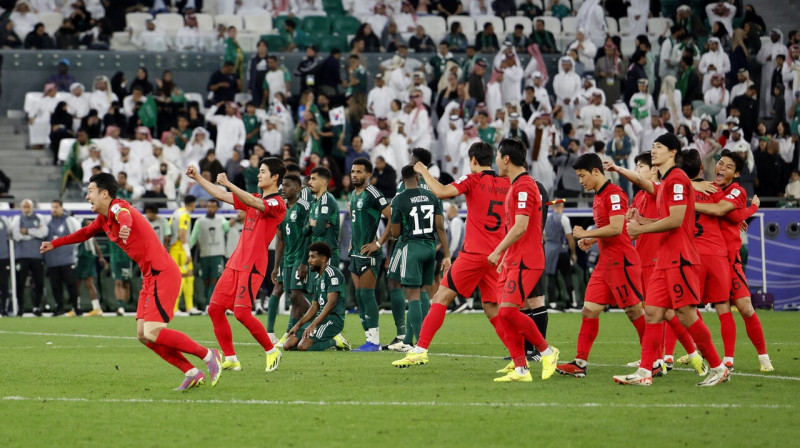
(631,215)
(634,228)
(191,172)
(494,258)
(420,168)
(124,233)
(222,179)
(46,247)
(578,232)
(584,243)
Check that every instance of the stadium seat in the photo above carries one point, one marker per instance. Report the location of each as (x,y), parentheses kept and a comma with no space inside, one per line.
(121,41)
(210,7)
(576,5)
(535,2)
(527,25)
(333,7)
(135,20)
(196,97)
(668,7)
(316,24)
(552,24)
(613,28)
(345,25)
(169,23)
(51,20)
(624,26)
(277,23)
(569,27)
(229,20)
(435,26)
(205,22)
(258,24)
(333,41)
(499,26)
(467,24)
(658,26)
(247,41)
(275,42)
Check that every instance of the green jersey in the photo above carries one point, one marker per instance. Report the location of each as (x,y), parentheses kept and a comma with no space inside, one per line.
(325,211)
(295,241)
(487,134)
(365,213)
(401,187)
(251,123)
(209,235)
(251,179)
(415,210)
(328,281)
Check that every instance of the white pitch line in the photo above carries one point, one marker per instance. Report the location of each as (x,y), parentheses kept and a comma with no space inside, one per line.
(402,403)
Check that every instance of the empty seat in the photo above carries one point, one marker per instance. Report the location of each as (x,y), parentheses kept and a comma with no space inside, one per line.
(135,20)
(613,28)
(624,26)
(346,25)
(258,24)
(247,41)
(316,24)
(275,42)
(658,26)
(229,20)
(51,21)
(569,26)
(435,26)
(169,23)
(205,22)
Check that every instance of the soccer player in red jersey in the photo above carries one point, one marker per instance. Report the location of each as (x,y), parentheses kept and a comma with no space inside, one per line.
(238,286)
(674,282)
(644,204)
(485,192)
(617,279)
(732,210)
(522,262)
(161,282)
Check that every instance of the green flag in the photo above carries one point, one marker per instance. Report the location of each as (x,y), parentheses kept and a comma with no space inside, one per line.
(148,113)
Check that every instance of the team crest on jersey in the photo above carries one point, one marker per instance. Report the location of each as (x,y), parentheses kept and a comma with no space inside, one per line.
(461,179)
(293,216)
(360,203)
(615,199)
(272,202)
(324,209)
(383,201)
(677,188)
(334,281)
(522,196)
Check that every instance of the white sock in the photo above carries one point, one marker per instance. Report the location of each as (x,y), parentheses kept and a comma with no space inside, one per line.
(692,354)
(95,304)
(194,371)
(418,350)
(271,335)
(547,352)
(232,358)
(269,352)
(521,370)
(471,302)
(208,356)
(645,372)
(581,362)
(727,359)
(373,335)
(401,337)
(669,358)
(764,357)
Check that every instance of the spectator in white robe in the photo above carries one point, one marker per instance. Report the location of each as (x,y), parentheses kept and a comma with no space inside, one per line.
(586,50)
(671,99)
(399,79)
(231,133)
(638,11)
(101,97)
(743,76)
(152,39)
(110,146)
(189,37)
(510,77)
(129,164)
(450,138)
(469,136)
(129,102)
(398,142)
(302,8)
(566,85)
(77,103)
(418,125)
(767,56)
(142,144)
(197,147)
(542,130)
(418,83)
(592,18)
(39,116)
(406,21)
(24,18)
(717,97)
(723,12)
(378,20)
(379,99)
(253,8)
(714,60)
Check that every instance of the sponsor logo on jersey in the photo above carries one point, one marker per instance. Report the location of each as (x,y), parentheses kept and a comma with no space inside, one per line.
(677,188)
(383,201)
(334,281)
(614,198)
(522,196)
(272,202)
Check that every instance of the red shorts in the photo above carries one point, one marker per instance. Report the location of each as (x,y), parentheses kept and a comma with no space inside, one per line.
(236,288)
(739,287)
(715,282)
(471,271)
(159,293)
(673,287)
(518,284)
(617,286)
(647,273)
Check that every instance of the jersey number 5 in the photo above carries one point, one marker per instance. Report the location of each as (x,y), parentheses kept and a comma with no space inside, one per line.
(495,215)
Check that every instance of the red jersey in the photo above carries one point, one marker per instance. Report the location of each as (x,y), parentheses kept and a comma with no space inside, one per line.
(677,247)
(143,245)
(258,231)
(647,243)
(736,195)
(523,198)
(485,193)
(617,251)
(707,234)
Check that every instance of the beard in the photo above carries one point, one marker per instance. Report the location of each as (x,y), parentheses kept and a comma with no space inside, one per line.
(358,183)
(314,268)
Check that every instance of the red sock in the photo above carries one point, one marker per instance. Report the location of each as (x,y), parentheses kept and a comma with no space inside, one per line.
(728,329)
(756,333)
(172,356)
(702,338)
(253,325)
(179,341)
(651,342)
(515,319)
(681,334)
(498,324)
(432,323)
(586,337)
(669,341)
(639,324)
(222,329)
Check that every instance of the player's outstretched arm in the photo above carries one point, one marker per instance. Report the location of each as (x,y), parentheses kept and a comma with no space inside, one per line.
(741,214)
(631,175)
(439,190)
(243,196)
(212,189)
(673,221)
(720,208)
(79,236)
(514,233)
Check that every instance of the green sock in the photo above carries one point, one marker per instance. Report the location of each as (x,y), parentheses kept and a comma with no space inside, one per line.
(322,345)
(370,308)
(361,309)
(414,320)
(272,312)
(398,301)
(120,304)
(425,303)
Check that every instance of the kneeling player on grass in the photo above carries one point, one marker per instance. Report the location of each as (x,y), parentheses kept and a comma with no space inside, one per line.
(416,220)
(237,288)
(485,191)
(617,279)
(320,328)
(128,229)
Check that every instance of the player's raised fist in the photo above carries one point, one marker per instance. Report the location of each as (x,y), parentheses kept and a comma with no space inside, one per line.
(756,201)
(124,232)
(420,168)
(222,179)
(191,172)
(46,247)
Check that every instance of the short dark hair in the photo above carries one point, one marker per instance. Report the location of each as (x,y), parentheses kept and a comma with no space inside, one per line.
(290,23)
(290,160)
(408,172)
(423,155)
(691,162)
(105,181)
(363,161)
(227,64)
(272,56)
(588,162)
(645,157)
(322,172)
(687,60)
(57,201)
(293,178)
(212,201)
(321,249)
(293,168)
(151,208)
(483,153)
(189,199)
(737,159)
(275,165)
(514,149)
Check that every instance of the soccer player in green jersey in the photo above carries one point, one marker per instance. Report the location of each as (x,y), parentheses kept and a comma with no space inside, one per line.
(323,219)
(291,271)
(320,328)
(416,220)
(367,204)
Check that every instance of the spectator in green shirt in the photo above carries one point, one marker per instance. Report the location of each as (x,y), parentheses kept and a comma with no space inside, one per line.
(252,127)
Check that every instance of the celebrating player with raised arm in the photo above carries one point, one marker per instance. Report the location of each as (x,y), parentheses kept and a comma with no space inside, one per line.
(237,287)
(127,228)
(674,283)
(522,262)
(485,192)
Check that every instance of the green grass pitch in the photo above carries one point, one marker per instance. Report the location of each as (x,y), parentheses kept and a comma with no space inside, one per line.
(88,382)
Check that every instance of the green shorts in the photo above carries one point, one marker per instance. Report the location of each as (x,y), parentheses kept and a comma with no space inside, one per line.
(211,267)
(122,270)
(290,280)
(324,331)
(360,265)
(413,264)
(86,268)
